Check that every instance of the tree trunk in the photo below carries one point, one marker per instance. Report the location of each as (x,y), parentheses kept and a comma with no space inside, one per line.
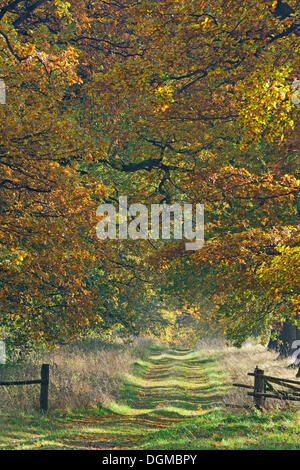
(286,338)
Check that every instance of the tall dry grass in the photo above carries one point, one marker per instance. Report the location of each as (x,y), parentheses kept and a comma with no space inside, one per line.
(237,362)
(83,374)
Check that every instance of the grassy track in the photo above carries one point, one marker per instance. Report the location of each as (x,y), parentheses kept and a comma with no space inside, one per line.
(172,400)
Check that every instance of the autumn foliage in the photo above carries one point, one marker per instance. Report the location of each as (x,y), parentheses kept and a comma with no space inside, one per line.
(164,101)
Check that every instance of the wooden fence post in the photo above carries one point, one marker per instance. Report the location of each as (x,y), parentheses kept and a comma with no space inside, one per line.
(44,388)
(259,387)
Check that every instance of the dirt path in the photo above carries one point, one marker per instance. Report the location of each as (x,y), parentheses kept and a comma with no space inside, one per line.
(174,382)
(167,389)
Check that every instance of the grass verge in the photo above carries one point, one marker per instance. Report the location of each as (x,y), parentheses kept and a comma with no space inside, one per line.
(171,400)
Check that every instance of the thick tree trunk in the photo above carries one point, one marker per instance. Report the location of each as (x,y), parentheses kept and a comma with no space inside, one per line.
(287,336)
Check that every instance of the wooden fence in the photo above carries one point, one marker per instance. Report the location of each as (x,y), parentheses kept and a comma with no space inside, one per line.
(43,381)
(266,386)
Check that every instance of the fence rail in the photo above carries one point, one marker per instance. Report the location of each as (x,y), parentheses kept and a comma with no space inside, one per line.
(44,389)
(263,388)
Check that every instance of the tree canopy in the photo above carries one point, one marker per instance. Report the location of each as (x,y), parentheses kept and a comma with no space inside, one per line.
(178,101)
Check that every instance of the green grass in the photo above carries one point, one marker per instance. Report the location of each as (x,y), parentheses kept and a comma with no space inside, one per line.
(171,400)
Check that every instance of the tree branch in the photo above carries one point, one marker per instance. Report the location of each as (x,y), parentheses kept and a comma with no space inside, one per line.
(9,7)
(27,13)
